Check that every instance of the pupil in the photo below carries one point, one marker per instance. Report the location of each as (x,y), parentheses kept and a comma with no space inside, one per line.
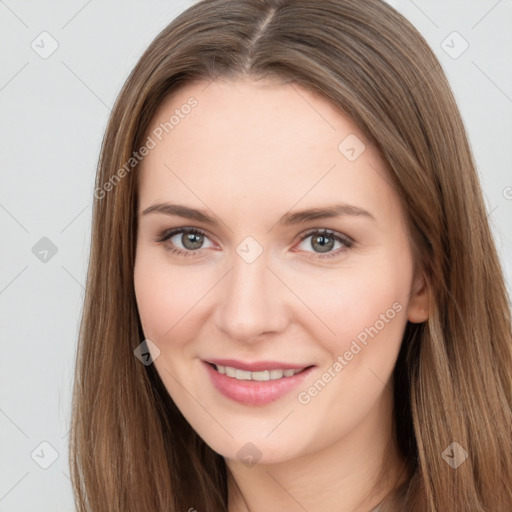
(324,246)
(188,242)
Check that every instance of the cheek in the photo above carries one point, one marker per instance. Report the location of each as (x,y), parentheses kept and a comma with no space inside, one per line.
(363,313)
(165,294)
(356,300)
(367,310)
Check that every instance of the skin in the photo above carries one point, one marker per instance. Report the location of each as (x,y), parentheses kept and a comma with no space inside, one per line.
(248,153)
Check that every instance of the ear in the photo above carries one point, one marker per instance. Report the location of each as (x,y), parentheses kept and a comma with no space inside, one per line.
(419,302)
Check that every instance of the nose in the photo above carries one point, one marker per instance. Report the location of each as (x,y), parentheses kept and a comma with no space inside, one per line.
(251,301)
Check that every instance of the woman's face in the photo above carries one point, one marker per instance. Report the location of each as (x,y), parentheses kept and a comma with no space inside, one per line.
(260,283)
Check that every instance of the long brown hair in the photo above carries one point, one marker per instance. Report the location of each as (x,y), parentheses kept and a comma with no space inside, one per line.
(130,447)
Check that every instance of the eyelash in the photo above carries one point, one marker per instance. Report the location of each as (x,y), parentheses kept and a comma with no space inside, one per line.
(346,241)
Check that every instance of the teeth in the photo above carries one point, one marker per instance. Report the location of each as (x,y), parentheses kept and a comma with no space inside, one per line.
(242,375)
(261,375)
(276,374)
(267,375)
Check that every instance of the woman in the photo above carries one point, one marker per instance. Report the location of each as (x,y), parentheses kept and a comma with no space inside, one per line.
(294,299)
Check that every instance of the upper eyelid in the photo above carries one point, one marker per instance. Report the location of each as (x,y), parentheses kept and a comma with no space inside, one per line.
(168,233)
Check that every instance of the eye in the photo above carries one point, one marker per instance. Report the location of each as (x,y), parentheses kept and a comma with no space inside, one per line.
(324,241)
(184,241)
(190,242)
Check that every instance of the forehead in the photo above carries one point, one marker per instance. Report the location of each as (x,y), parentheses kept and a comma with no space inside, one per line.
(237,116)
(258,141)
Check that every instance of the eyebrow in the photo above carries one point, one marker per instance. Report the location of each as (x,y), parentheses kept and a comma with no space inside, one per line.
(288,219)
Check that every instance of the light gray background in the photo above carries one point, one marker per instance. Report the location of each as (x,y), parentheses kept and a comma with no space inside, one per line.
(53,114)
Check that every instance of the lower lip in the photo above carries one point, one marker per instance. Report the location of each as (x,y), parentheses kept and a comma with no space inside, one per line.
(253,392)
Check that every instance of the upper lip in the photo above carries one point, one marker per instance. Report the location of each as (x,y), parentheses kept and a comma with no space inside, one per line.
(257,366)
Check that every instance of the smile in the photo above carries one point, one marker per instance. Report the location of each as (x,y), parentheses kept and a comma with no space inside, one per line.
(260,376)
(257,386)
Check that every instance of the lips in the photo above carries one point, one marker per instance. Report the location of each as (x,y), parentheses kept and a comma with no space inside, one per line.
(257,366)
(242,388)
